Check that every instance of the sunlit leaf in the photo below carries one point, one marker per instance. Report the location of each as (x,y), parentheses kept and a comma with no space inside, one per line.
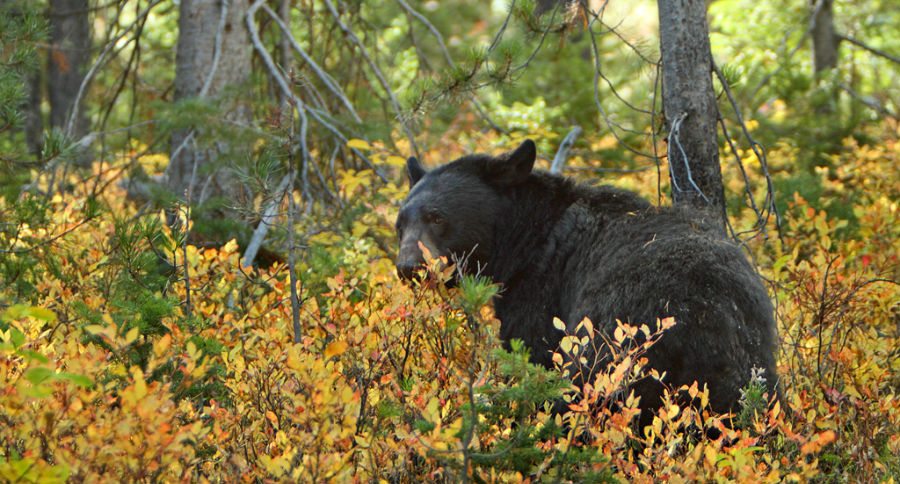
(335,348)
(38,375)
(359,144)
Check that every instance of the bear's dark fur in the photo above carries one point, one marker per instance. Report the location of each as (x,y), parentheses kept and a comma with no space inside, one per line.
(574,251)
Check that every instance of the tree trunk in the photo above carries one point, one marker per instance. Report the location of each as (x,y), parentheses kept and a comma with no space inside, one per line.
(67,63)
(34,122)
(208,47)
(285,54)
(824,39)
(690,105)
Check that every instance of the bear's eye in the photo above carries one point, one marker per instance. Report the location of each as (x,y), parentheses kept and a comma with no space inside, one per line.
(434,218)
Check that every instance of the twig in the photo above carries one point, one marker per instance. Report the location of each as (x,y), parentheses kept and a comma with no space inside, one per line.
(70,123)
(348,32)
(499,35)
(188,308)
(674,140)
(301,107)
(446,53)
(758,151)
(279,78)
(326,79)
(878,52)
(544,34)
(562,154)
(656,85)
(609,123)
(809,28)
(292,273)
(259,234)
(868,101)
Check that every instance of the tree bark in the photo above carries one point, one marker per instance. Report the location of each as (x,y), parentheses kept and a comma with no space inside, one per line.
(67,63)
(211,57)
(285,54)
(690,106)
(824,38)
(34,122)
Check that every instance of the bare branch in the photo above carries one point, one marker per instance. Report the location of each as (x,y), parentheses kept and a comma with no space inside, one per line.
(269,212)
(769,207)
(873,50)
(674,140)
(301,107)
(809,28)
(446,53)
(217,50)
(378,75)
(595,50)
(70,124)
(292,210)
(329,82)
(499,35)
(868,101)
(562,155)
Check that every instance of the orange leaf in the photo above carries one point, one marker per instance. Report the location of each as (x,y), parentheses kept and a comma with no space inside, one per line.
(819,441)
(335,348)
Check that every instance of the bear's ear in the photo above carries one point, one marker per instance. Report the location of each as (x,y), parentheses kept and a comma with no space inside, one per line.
(515,166)
(414,170)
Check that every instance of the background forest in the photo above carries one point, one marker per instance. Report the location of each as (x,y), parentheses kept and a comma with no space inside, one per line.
(197,206)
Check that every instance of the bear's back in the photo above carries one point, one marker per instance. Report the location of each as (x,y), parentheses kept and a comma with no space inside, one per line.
(640,265)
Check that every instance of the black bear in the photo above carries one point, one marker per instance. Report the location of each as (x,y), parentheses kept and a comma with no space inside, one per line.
(571,251)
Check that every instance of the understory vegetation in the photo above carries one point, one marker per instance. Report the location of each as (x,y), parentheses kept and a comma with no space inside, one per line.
(142,341)
(112,364)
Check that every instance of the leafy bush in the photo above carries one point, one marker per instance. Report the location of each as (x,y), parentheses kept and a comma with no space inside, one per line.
(108,373)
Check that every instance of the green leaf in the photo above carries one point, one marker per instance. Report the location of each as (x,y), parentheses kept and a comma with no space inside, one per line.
(16,337)
(34,356)
(43,314)
(19,311)
(39,391)
(38,374)
(79,380)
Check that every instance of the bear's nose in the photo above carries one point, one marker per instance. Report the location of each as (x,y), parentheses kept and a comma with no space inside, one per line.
(408,270)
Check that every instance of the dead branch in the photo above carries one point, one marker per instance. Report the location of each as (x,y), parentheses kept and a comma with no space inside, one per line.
(268,215)
(873,50)
(351,36)
(562,154)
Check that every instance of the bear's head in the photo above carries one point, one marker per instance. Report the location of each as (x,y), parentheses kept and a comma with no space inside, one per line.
(453,209)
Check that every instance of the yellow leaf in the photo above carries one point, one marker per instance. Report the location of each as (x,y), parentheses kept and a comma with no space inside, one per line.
(395,160)
(673,411)
(192,351)
(270,416)
(162,345)
(132,335)
(140,386)
(619,373)
(566,345)
(588,326)
(335,348)
(710,454)
(667,323)
(558,324)
(359,144)
(41,313)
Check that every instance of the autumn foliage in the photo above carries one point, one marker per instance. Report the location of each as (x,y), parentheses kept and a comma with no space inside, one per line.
(111,370)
